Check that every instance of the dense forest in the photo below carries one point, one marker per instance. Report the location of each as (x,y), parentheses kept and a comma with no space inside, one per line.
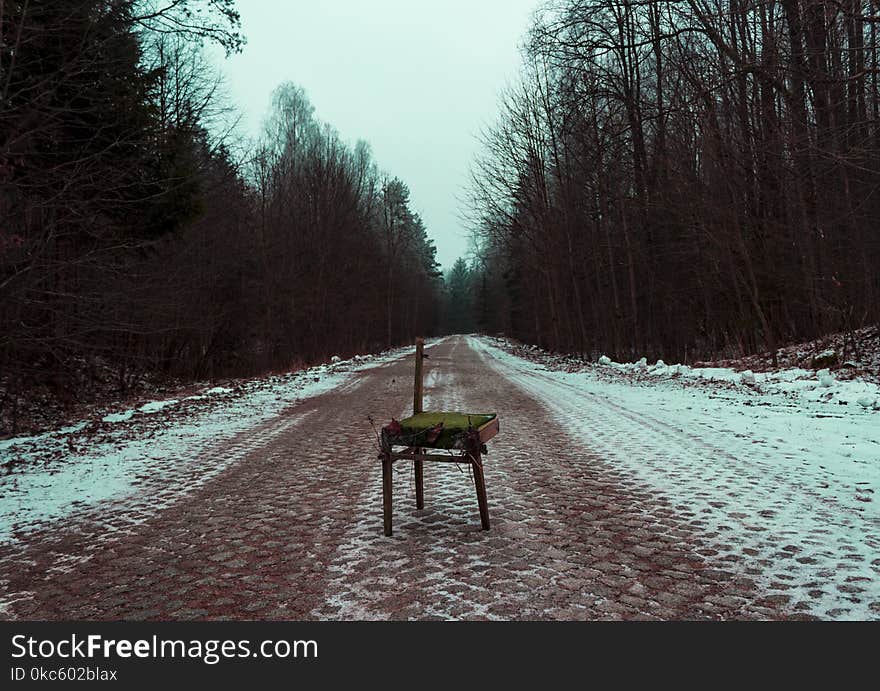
(136,235)
(669,179)
(684,179)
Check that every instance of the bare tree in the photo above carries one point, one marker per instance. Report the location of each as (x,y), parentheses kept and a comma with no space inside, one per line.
(686,179)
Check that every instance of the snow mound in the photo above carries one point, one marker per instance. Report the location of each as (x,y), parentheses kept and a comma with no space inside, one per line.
(156,406)
(826,381)
(118,417)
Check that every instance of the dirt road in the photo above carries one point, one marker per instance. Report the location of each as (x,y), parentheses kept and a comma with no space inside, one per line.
(292,528)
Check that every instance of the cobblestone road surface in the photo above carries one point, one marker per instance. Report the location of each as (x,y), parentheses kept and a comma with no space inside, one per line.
(292,529)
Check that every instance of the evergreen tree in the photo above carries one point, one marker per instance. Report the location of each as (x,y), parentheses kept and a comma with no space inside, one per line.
(459,299)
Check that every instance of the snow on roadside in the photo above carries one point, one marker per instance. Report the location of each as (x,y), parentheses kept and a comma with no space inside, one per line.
(820,386)
(55,474)
(784,486)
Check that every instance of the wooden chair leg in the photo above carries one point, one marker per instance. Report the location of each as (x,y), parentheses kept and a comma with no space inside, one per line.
(420,484)
(480,483)
(387,484)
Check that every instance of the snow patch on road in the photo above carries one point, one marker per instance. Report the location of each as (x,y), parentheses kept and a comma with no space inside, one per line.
(785,489)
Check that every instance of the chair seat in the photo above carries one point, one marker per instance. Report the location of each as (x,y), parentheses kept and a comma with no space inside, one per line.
(441,430)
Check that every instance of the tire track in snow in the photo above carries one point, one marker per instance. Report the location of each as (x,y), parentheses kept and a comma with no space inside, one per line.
(806,549)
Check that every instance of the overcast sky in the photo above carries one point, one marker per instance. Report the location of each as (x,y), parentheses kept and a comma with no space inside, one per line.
(417,79)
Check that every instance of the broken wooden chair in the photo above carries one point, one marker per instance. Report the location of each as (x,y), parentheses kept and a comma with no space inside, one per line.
(435,437)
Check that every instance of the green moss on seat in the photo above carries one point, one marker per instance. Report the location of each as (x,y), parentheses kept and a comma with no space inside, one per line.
(414,430)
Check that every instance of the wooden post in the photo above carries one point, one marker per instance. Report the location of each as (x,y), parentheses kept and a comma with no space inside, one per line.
(418,388)
(418,402)
(420,485)
(387,484)
(480,482)
(474,450)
